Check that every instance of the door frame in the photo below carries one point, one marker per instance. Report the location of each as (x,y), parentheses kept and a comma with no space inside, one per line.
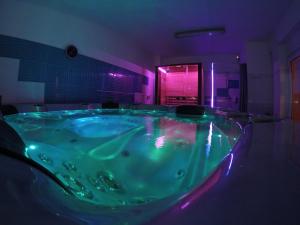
(200,82)
(294,59)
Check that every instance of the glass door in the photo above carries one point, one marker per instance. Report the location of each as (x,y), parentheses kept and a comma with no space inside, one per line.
(178,85)
(222,86)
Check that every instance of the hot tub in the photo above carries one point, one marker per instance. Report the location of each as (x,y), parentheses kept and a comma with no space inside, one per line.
(123,166)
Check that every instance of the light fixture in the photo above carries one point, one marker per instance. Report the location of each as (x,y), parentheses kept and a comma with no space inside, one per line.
(212,86)
(162,70)
(115,75)
(32,147)
(197,32)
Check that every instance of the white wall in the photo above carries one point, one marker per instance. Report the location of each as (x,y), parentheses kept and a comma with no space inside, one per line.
(260,77)
(282,81)
(14,91)
(43,25)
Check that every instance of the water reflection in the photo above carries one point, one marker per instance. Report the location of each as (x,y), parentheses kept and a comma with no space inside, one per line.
(208,146)
(160,141)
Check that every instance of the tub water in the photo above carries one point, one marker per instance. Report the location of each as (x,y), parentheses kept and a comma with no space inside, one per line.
(124,158)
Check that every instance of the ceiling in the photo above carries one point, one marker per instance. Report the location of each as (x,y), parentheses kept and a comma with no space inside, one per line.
(152,23)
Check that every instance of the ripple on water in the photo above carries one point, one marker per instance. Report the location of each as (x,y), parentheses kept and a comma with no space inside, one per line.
(69,166)
(76,186)
(141,200)
(109,181)
(180,174)
(44,158)
(125,153)
(105,182)
(97,183)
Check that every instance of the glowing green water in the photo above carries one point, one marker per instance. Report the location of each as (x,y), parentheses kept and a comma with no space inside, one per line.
(124,157)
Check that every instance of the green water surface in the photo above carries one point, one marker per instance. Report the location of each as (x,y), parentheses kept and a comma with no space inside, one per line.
(123,157)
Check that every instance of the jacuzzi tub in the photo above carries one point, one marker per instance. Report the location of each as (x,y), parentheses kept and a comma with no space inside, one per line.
(123,166)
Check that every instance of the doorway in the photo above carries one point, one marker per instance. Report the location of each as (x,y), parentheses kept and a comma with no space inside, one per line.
(295,69)
(179,84)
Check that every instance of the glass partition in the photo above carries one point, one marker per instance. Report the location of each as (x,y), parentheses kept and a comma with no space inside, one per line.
(222,86)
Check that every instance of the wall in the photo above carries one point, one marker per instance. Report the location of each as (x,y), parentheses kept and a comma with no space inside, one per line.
(293,42)
(80,79)
(223,62)
(260,77)
(56,29)
(149,89)
(22,91)
(288,22)
(285,47)
(269,76)
(282,81)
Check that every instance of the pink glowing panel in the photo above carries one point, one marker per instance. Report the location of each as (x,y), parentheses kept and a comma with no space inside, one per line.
(178,84)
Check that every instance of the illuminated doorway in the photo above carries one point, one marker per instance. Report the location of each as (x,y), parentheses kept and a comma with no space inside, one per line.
(179,84)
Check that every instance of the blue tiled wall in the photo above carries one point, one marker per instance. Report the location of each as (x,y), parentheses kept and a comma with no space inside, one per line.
(79,80)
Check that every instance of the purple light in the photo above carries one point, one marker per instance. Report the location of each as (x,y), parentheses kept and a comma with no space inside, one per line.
(212,85)
(230,163)
(162,70)
(115,75)
(202,189)
(186,204)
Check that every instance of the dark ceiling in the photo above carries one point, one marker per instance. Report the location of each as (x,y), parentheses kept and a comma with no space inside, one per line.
(152,23)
